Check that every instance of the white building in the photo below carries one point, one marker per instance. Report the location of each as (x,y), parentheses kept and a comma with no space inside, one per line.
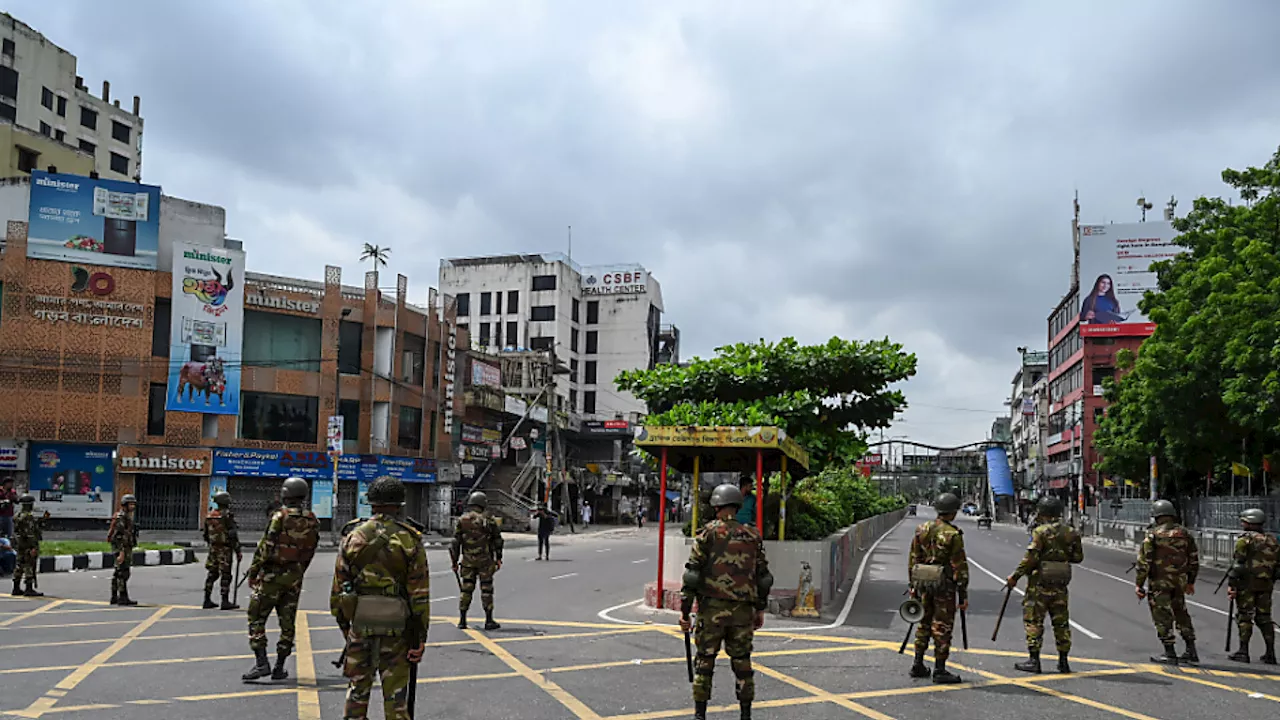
(1026,459)
(596,321)
(40,91)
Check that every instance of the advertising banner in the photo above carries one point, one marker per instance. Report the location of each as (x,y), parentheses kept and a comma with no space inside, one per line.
(614,280)
(73,481)
(485,374)
(217,484)
(12,457)
(606,427)
(363,509)
(322,498)
(316,466)
(410,470)
(159,460)
(1115,271)
(472,434)
(206,329)
(95,221)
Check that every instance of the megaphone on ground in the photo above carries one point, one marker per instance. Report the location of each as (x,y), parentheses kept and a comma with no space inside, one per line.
(911,611)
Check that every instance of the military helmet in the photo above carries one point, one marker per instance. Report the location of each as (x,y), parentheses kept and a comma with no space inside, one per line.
(128,499)
(222,499)
(1162,508)
(1049,507)
(726,495)
(1254,516)
(386,490)
(946,504)
(478,499)
(295,488)
(27,499)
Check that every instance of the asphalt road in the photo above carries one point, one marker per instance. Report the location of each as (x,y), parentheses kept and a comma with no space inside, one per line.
(575,645)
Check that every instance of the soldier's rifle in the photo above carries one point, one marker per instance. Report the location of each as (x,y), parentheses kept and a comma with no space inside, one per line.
(1231,609)
(235,594)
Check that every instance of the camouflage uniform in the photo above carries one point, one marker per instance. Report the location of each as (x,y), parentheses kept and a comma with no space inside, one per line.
(476,550)
(223,539)
(1257,554)
(381,556)
(728,560)
(27,532)
(278,565)
(1168,562)
(938,542)
(1051,542)
(123,536)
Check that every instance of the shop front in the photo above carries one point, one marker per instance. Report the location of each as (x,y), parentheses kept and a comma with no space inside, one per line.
(169,483)
(13,461)
(75,484)
(422,493)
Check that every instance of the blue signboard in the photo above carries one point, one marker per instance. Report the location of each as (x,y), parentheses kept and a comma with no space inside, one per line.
(312,466)
(94,221)
(73,481)
(410,470)
(363,508)
(322,498)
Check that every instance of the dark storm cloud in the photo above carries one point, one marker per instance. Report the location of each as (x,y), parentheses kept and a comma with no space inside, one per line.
(855,168)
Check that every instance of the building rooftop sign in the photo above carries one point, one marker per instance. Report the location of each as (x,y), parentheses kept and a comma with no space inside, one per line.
(615,280)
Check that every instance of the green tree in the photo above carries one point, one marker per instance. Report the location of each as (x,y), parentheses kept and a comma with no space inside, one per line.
(375,254)
(825,396)
(1205,387)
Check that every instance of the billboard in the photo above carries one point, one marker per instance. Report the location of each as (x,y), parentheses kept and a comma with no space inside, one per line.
(1115,272)
(615,280)
(73,481)
(94,221)
(205,330)
(485,374)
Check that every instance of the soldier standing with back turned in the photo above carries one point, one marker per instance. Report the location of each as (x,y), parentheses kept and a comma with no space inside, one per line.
(123,536)
(28,533)
(279,564)
(1047,564)
(939,573)
(1168,563)
(223,539)
(728,575)
(382,599)
(1253,573)
(477,550)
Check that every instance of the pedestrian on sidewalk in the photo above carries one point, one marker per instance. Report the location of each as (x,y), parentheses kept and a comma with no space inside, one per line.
(747,513)
(8,558)
(586,513)
(545,521)
(8,499)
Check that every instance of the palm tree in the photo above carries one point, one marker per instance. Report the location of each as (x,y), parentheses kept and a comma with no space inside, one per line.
(375,254)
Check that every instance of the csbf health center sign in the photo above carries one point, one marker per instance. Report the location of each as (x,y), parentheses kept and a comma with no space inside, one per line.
(93,221)
(206,330)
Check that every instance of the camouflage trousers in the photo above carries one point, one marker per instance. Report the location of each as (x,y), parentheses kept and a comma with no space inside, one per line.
(1039,602)
(369,658)
(1169,609)
(281,597)
(1253,607)
(939,622)
(26,564)
(124,569)
(219,566)
(737,645)
(469,576)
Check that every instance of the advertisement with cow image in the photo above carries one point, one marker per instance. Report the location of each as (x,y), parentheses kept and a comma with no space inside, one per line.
(206,330)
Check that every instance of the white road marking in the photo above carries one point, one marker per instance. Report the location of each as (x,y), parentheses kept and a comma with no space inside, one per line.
(604,614)
(1001,580)
(641,560)
(446,597)
(1130,583)
(566,575)
(604,549)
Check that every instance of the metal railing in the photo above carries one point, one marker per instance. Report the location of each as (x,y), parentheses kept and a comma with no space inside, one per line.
(528,474)
(1214,521)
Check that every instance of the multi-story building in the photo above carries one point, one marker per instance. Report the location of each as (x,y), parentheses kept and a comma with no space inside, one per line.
(1024,448)
(40,91)
(595,321)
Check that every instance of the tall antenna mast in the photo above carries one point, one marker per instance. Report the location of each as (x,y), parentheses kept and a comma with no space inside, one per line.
(570,242)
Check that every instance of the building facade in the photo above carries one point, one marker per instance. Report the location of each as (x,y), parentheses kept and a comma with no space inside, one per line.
(41,91)
(1025,456)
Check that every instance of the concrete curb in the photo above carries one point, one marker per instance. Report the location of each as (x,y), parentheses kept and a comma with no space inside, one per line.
(104,560)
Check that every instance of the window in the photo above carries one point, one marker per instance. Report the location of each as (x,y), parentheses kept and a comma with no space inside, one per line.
(120,131)
(589,402)
(282,342)
(160,328)
(46,98)
(513,301)
(350,346)
(414,361)
(350,412)
(575,310)
(28,159)
(8,112)
(9,47)
(573,401)
(410,432)
(435,364)
(8,82)
(62,106)
(486,303)
(484,331)
(431,437)
(279,418)
(542,343)
(119,164)
(89,118)
(464,304)
(544,282)
(589,374)
(1062,352)
(593,312)
(46,129)
(497,333)
(60,135)
(593,342)
(573,371)
(497,303)
(542,313)
(513,333)
(155,408)
(88,147)
(573,341)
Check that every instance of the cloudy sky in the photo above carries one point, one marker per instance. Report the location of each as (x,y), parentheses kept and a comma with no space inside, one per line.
(855,167)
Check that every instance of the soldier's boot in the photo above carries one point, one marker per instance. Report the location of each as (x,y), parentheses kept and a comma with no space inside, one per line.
(261,666)
(31,589)
(462,621)
(124,595)
(744,710)
(1241,655)
(17,585)
(918,668)
(209,604)
(941,675)
(115,592)
(279,673)
(489,622)
(1269,657)
(1190,657)
(1063,665)
(699,710)
(1170,656)
(226,602)
(1031,664)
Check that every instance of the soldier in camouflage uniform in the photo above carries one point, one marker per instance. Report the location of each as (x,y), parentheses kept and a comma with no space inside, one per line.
(382,599)
(1047,567)
(28,532)
(276,574)
(939,575)
(1168,563)
(1251,579)
(728,575)
(477,550)
(223,539)
(123,536)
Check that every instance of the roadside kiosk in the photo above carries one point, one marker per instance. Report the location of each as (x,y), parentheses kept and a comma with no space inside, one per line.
(698,449)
